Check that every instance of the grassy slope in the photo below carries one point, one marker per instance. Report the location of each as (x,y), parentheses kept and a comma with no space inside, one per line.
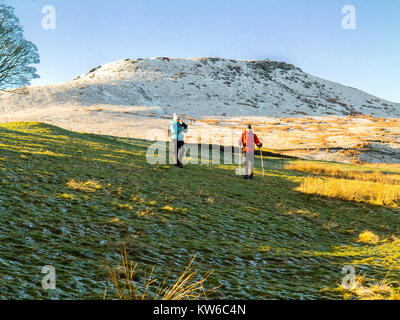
(262,238)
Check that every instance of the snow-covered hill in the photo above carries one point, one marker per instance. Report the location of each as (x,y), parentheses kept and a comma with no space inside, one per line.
(202,87)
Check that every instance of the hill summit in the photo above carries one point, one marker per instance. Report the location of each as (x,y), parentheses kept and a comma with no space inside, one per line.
(204,87)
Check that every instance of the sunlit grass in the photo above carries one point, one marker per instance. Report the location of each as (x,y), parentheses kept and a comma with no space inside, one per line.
(87,186)
(368,237)
(371,289)
(352,190)
(262,238)
(337,172)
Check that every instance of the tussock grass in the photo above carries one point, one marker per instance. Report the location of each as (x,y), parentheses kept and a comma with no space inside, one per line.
(365,289)
(185,287)
(352,190)
(368,237)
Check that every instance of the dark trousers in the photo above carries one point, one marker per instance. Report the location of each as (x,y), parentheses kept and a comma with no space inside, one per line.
(178,150)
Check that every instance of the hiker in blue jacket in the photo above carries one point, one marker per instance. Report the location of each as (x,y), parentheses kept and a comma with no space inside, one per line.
(176,130)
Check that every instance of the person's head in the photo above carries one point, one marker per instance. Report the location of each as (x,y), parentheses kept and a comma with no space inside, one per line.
(249,127)
(175,117)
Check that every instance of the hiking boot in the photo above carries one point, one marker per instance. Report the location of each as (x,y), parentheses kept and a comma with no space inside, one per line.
(251,176)
(246,177)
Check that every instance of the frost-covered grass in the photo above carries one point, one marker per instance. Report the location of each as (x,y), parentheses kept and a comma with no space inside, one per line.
(72,200)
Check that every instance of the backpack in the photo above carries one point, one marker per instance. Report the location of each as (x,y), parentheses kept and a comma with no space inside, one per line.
(248,140)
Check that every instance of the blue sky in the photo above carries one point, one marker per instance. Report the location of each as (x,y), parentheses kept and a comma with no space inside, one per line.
(306,33)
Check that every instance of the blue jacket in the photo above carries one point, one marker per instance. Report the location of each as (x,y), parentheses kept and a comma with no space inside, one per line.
(176,130)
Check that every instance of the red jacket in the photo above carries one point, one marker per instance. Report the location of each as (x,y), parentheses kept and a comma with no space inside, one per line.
(248,140)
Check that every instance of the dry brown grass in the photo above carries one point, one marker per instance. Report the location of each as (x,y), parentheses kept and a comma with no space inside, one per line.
(322,139)
(298,142)
(388,123)
(385,166)
(185,287)
(261,130)
(283,128)
(209,121)
(382,290)
(352,190)
(331,171)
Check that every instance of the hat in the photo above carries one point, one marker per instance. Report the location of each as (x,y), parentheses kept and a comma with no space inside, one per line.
(175,117)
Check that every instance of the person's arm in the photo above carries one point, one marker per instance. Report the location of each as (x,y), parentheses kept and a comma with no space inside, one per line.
(171,129)
(257,141)
(184,126)
(241,143)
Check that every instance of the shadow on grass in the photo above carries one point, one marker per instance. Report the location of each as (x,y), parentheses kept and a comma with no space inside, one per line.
(262,238)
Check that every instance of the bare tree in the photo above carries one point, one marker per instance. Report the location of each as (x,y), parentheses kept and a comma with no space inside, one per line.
(17,55)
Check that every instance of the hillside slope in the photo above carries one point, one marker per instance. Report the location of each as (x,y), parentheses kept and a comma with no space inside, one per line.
(70,200)
(293,112)
(203,87)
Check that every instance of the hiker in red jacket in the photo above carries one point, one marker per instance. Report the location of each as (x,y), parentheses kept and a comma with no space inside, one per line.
(248,140)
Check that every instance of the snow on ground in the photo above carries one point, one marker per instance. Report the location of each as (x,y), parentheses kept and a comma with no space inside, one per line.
(133,97)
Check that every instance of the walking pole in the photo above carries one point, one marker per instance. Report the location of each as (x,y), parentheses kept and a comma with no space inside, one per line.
(241,161)
(262,162)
